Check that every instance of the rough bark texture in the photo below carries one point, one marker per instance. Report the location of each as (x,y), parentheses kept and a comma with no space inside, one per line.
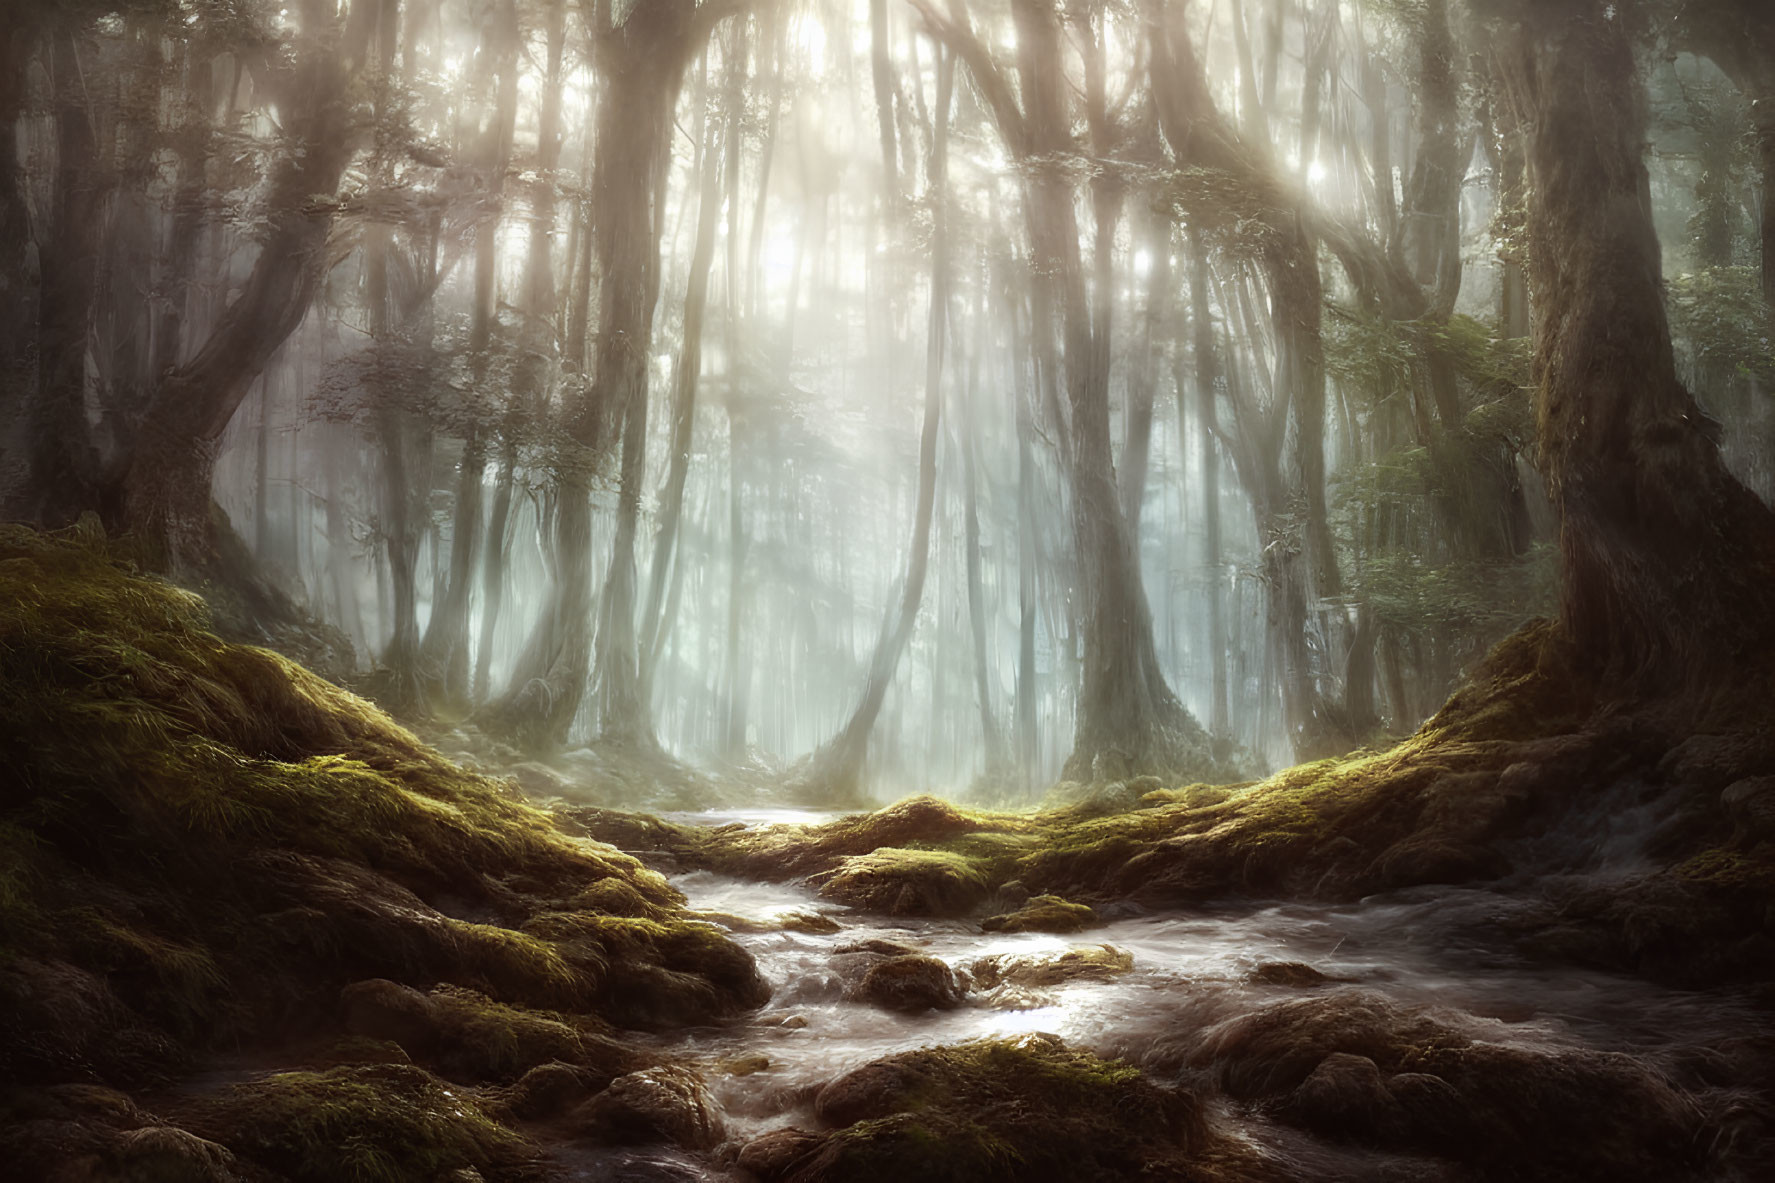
(1667,559)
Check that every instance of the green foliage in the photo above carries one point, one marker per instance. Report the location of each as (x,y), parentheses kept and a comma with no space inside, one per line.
(1469,596)
(1425,521)
(1721,323)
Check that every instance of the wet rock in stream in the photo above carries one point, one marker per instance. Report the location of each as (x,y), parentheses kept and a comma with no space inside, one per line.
(1287,973)
(1084,963)
(957,1112)
(898,978)
(1043,913)
(665,1104)
(548,1090)
(902,882)
(1354,1067)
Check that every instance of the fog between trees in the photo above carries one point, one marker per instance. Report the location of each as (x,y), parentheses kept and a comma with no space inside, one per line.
(868,393)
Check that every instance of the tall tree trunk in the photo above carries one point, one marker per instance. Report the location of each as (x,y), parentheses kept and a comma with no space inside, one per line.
(123,321)
(991,737)
(634,152)
(1208,416)
(18,295)
(882,76)
(642,60)
(739,675)
(64,475)
(496,554)
(835,772)
(166,481)
(443,652)
(1143,383)
(1281,460)
(548,681)
(687,374)
(1666,558)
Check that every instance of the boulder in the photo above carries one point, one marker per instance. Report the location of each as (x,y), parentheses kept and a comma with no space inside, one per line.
(156,1153)
(776,1153)
(548,1090)
(665,1104)
(904,882)
(870,1091)
(1043,913)
(1091,963)
(1344,1095)
(911,984)
(1286,973)
(1750,803)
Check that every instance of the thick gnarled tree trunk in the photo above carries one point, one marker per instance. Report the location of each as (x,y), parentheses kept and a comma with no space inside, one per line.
(1667,559)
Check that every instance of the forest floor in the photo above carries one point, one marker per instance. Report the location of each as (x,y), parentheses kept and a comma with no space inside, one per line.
(252,929)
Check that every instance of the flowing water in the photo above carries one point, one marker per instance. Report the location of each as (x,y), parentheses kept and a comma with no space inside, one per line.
(1440,948)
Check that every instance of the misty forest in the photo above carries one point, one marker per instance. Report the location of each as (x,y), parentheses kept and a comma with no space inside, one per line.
(849,590)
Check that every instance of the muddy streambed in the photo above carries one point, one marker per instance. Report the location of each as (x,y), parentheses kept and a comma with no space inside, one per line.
(1441,955)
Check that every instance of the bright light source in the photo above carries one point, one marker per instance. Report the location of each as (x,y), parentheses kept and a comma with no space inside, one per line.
(1143,262)
(810,38)
(1315,173)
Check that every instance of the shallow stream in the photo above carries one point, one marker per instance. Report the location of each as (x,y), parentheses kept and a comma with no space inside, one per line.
(1440,948)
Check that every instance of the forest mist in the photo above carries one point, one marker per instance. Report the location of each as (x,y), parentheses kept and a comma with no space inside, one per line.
(938,395)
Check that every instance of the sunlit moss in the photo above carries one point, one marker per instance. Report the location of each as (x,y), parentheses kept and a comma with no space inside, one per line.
(203,833)
(908,882)
(1425,810)
(1043,913)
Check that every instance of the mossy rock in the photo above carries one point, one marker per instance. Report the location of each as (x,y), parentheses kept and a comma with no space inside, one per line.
(1015,1111)
(910,984)
(201,841)
(379,1124)
(903,882)
(1085,963)
(1360,1068)
(1044,913)
(656,1105)
(548,1090)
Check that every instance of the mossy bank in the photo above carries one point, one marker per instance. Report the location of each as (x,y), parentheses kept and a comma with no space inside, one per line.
(208,852)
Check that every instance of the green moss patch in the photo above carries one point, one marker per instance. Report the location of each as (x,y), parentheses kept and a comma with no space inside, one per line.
(386,1123)
(1025,1110)
(1043,913)
(203,842)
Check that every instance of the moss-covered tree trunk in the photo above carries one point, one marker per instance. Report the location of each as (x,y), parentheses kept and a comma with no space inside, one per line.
(1667,559)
